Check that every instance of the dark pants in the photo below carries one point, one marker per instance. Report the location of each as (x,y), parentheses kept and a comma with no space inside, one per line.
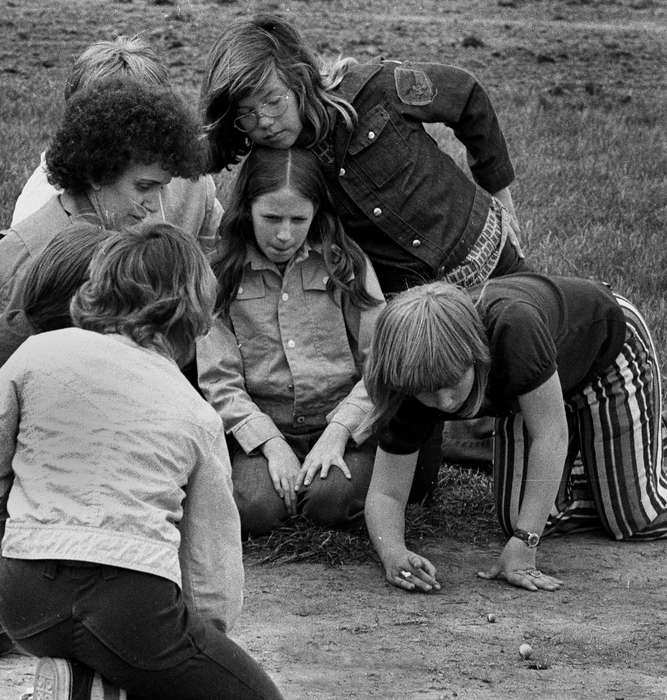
(132,628)
(335,502)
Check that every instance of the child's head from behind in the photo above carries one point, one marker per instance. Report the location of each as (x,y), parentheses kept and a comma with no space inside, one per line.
(57,272)
(262,85)
(428,339)
(122,57)
(152,284)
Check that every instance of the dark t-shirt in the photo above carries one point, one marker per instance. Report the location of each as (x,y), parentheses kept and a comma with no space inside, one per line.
(535,325)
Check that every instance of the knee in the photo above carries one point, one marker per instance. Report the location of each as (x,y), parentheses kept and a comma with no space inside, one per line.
(260,513)
(335,502)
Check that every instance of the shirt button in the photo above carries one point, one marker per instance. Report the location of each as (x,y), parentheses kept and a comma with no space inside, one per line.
(377,211)
(371,135)
(300,419)
(416,243)
(285,296)
(341,172)
(291,344)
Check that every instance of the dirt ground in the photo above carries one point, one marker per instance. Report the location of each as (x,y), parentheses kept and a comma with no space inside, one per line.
(342,632)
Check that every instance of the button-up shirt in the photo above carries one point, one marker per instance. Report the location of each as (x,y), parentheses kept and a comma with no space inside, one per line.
(290,356)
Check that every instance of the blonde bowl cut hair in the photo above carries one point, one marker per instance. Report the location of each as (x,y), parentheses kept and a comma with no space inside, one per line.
(151,283)
(426,339)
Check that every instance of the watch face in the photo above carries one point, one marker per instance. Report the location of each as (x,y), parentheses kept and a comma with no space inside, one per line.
(533,539)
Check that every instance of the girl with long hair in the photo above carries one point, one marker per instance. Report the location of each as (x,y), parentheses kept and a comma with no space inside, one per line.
(282,365)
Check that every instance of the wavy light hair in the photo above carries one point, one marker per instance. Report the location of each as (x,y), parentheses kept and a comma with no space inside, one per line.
(242,60)
(426,339)
(268,170)
(123,57)
(151,283)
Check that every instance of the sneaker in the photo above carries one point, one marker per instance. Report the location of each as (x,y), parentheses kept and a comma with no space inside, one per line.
(53,679)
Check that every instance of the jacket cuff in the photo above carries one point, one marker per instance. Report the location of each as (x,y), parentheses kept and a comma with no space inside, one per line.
(496,179)
(255,431)
(353,417)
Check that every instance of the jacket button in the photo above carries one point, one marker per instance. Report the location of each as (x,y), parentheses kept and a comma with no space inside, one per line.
(240,291)
(377,211)
(341,172)
(291,344)
(416,243)
(325,279)
(300,419)
(285,296)
(371,135)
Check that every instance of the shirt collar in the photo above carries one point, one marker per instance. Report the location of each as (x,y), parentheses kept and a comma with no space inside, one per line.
(256,260)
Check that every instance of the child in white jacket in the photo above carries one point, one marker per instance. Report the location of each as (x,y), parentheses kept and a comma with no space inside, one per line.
(121,550)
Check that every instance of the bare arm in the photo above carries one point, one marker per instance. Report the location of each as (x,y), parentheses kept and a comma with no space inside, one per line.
(543,412)
(385,518)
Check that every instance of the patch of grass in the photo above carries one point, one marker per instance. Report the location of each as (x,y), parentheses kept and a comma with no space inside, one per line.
(462,507)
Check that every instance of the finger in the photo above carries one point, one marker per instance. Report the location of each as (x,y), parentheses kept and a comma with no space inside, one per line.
(309,474)
(340,463)
(277,486)
(289,496)
(422,579)
(324,471)
(400,581)
(548,583)
(302,478)
(490,573)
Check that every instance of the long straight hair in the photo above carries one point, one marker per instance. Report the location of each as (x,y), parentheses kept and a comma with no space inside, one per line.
(242,60)
(426,339)
(267,170)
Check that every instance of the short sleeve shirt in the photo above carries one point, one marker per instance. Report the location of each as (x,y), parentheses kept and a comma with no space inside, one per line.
(535,325)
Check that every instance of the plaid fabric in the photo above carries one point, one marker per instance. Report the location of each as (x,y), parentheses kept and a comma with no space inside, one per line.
(614,475)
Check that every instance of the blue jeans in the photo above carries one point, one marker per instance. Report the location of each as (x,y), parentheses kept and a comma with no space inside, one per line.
(130,627)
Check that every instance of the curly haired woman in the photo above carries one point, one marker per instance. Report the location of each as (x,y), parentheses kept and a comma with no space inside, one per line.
(119,142)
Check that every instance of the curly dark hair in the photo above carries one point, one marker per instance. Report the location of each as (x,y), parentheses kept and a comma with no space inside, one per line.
(115,123)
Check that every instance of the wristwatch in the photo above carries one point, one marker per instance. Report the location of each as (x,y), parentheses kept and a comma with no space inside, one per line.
(532,539)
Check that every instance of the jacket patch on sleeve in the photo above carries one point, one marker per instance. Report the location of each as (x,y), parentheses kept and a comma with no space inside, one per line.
(413,86)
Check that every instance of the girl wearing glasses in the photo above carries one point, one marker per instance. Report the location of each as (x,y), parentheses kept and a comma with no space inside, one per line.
(405,202)
(282,365)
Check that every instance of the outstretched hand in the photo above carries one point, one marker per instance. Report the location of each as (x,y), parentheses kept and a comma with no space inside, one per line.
(411,572)
(516,565)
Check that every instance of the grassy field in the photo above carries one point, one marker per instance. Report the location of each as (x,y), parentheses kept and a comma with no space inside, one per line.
(586,134)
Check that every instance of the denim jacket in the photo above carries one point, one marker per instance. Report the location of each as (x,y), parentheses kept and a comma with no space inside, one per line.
(390,174)
(290,357)
(100,442)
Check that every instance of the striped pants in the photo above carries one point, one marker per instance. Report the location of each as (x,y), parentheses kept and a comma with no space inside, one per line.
(615,475)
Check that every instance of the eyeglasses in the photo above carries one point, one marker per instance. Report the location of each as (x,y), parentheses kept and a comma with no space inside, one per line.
(275,107)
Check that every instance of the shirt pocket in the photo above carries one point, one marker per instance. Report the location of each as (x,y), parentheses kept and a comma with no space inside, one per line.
(377,146)
(253,316)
